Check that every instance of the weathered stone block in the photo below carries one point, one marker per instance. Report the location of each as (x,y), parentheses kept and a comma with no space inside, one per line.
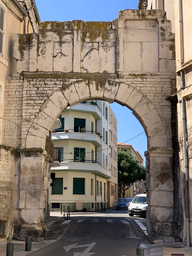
(71,94)
(161,199)
(123,92)
(62,57)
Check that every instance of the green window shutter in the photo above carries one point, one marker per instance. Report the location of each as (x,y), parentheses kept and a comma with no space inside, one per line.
(78,186)
(57,188)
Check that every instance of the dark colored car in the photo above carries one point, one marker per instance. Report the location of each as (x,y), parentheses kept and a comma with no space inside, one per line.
(122,203)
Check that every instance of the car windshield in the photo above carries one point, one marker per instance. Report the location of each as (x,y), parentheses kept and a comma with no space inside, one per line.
(140,200)
(122,200)
(129,199)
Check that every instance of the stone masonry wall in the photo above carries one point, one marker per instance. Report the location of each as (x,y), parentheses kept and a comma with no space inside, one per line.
(130,61)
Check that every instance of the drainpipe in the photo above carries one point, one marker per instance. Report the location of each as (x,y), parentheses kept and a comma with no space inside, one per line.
(184,123)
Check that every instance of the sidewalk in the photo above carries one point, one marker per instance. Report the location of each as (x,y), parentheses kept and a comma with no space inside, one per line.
(19,246)
(163,248)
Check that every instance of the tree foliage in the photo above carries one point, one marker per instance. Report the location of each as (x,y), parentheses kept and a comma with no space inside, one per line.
(129,171)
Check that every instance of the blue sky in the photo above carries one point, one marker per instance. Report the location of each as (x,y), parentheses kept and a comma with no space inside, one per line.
(100,10)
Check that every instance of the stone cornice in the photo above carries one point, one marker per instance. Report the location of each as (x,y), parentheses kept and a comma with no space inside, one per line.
(16,8)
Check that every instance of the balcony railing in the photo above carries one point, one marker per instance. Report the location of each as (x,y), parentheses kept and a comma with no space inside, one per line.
(91,103)
(80,130)
(81,161)
(8,133)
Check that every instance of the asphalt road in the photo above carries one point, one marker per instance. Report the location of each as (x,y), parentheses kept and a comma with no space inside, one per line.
(100,234)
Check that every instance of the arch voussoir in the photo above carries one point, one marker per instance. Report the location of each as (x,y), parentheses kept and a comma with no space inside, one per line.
(123,93)
(82,87)
(59,100)
(111,88)
(71,94)
(134,98)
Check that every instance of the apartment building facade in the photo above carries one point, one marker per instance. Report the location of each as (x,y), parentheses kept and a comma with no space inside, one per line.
(81,180)
(113,181)
(138,186)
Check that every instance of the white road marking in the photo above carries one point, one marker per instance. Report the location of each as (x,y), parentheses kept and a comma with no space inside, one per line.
(84,253)
(109,221)
(125,221)
(95,220)
(81,220)
(65,222)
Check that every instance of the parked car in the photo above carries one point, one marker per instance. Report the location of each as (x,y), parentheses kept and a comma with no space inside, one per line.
(129,200)
(138,205)
(122,203)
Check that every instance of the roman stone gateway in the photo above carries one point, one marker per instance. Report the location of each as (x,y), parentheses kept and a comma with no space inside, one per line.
(129,61)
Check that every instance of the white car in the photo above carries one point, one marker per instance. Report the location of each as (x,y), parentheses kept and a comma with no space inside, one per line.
(138,205)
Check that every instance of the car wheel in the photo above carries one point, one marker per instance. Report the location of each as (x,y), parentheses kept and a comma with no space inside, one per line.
(143,215)
(131,214)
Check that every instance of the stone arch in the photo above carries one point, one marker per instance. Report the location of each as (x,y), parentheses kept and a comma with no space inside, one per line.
(127,95)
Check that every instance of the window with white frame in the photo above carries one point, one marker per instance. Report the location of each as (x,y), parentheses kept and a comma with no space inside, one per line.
(2,21)
(103,134)
(103,109)
(103,160)
(106,161)
(106,113)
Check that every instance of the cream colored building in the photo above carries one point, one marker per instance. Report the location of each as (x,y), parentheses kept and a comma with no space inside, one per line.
(81,180)
(113,181)
(13,16)
(179,13)
(138,186)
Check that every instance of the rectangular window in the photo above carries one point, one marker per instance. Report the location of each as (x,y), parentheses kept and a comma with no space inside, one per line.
(106,161)
(106,113)
(79,125)
(91,186)
(57,186)
(60,154)
(106,138)
(100,188)
(103,160)
(2,18)
(103,134)
(103,109)
(92,125)
(79,154)
(78,186)
(92,156)
(55,205)
(61,129)
(97,187)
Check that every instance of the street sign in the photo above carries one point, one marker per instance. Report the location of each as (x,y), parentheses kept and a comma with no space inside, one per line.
(126,192)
